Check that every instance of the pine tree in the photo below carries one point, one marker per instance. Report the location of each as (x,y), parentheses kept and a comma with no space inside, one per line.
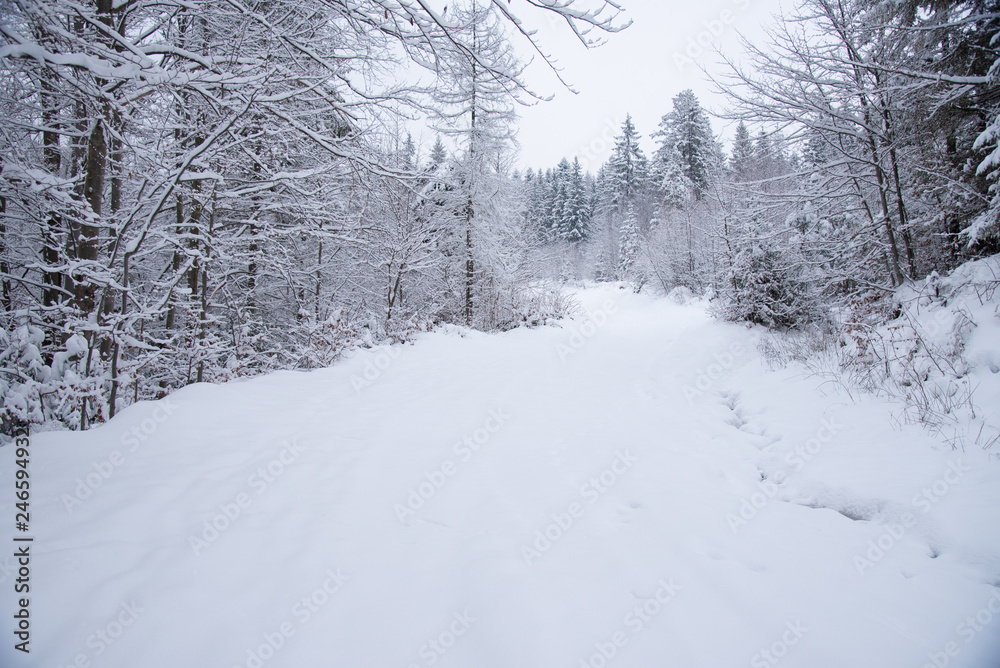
(765,283)
(575,217)
(741,163)
(672,185)
(687,130)
(438,155)
(816,152)
(628,246)
(529,186)
(549,204)
(770,159)
(560,199)
(987,225)
(408,154)
(628,167)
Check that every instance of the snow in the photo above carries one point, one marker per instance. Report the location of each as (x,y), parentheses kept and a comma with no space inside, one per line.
(636,436)
(949,334)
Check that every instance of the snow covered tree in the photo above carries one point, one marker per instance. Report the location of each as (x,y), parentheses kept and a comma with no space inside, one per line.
(477,108)
(673,187)
(741,161)
(575,209)
(987,224)
(184,180)
(438,155)
(870,112)
(765,284)
(557,203)
(686,132)
(629,249)
(628,168)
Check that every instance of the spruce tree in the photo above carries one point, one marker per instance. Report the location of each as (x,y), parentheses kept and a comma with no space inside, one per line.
(742,159)
(687,130)
(575,215)
(438,155)
(628,246)
(672,185)
(408,154)
(628,168)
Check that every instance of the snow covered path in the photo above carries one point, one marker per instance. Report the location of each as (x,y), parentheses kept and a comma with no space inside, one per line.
(535,499)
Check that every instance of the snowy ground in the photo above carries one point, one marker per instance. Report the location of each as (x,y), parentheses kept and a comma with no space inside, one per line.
(589,495)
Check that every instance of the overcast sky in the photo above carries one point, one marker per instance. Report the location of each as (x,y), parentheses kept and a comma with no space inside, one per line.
(637,71)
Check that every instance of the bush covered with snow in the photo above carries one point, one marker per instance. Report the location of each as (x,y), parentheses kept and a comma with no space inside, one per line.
(45,392)
(935,343)
(767,288)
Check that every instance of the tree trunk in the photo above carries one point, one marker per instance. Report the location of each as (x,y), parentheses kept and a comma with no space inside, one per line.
(5,288)
(52,278)
(203,316)
(470,264)
(840,23)
(93,191)
(319,278)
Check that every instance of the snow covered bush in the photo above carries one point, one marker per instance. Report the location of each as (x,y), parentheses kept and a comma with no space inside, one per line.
(940,350)
(323,342)
(935,344)
(45,393)
(503,307)
(766,287)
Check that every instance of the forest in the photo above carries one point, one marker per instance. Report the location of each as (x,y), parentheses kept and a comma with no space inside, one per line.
(200,191)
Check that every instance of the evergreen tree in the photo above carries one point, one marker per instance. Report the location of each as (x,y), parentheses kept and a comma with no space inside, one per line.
(672,185)
(628,168)
(604,191)
(529,185)
(408,154)
(548,209)
(438,155)
(741,163)
(628,246)
(687,130)
(575,216)
(560,198)
(769,158)
(816,152)
(766,285)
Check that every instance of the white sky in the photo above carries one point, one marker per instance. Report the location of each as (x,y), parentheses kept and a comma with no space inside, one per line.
(635,71)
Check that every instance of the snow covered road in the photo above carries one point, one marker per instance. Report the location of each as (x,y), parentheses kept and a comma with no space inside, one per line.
(631,489)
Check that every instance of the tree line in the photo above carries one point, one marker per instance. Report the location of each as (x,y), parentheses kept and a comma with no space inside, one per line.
(863,156)
(197,191)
